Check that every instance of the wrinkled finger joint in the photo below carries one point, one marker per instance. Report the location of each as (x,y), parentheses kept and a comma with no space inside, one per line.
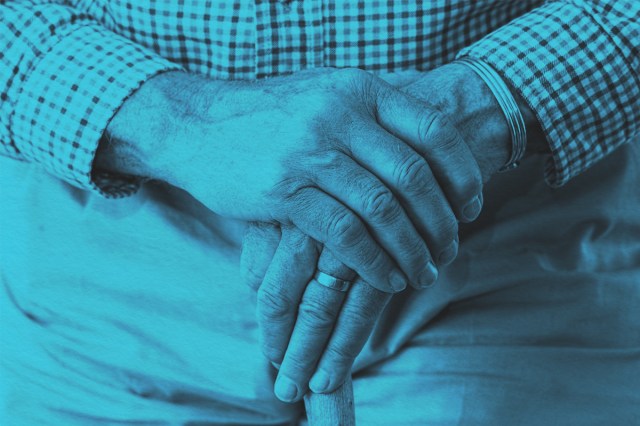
(410,173)
(380,204)
(272,306)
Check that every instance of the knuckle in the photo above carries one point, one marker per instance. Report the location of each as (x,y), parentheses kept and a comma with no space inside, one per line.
(272,352)
(301,252)
(438,130)
(252,278)
(297,255)
(430,188)
(317,315)
(428,125)
(374,261)
(448,140)
(344,228)
(331,160)
(359,317)
(435,127)
(272,306)
(411,171)
(383,97)
(355,74)
(380,204)
(362,84)
(340,353)
(260,231)
(298,361)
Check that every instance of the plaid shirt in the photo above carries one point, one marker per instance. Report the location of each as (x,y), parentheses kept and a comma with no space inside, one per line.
(67,65)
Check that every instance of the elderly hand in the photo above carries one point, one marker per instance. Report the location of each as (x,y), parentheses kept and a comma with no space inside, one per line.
(280,264)
(376,176)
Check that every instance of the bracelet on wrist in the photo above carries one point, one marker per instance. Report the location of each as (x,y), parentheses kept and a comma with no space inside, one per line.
(508,105)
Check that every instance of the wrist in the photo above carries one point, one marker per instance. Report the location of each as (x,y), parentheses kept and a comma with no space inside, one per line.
(524,132)
(482,122)
(146,136)
(464,97)
(536,140)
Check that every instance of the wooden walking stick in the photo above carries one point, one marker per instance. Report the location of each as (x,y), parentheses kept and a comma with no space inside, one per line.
(331,409)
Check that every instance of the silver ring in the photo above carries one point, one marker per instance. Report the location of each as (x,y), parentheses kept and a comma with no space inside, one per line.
(332,282)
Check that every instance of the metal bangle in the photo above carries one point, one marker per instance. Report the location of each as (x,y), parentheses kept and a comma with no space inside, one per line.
(509,106)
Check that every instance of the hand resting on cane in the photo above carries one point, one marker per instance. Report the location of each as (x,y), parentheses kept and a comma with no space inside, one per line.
(281,259)
(338,154)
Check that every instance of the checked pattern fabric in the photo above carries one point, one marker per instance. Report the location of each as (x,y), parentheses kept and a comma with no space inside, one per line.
(66,66)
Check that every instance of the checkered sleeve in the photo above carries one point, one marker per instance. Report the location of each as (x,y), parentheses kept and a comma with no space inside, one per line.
(577,65)
(62,78)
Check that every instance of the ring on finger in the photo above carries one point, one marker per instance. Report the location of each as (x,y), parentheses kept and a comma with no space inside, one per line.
(332,282)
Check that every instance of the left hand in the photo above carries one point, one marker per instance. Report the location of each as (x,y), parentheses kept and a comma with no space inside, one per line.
(280,263)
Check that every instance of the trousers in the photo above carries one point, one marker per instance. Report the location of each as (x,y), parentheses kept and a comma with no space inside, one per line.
(132,311)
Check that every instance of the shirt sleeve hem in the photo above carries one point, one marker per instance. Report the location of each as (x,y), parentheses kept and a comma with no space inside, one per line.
(564,67)
(71,94)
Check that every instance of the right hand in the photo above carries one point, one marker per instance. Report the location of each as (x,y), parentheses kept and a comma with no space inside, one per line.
(375,175)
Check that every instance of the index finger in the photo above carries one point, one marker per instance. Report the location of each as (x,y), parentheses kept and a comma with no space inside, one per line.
(433,136)
(360,312)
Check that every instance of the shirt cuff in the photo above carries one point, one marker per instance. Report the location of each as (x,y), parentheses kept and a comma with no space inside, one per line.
(68,98)
(563,59)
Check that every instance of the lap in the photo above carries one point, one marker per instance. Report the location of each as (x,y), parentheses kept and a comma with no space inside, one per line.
(536,321)
(131,309)
(139,316)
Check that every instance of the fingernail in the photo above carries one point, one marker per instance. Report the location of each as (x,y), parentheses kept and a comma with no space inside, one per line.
(429,276)
(472,210)
(397,281)
(285,389)
(320,382)
(448,254)
(276,365)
